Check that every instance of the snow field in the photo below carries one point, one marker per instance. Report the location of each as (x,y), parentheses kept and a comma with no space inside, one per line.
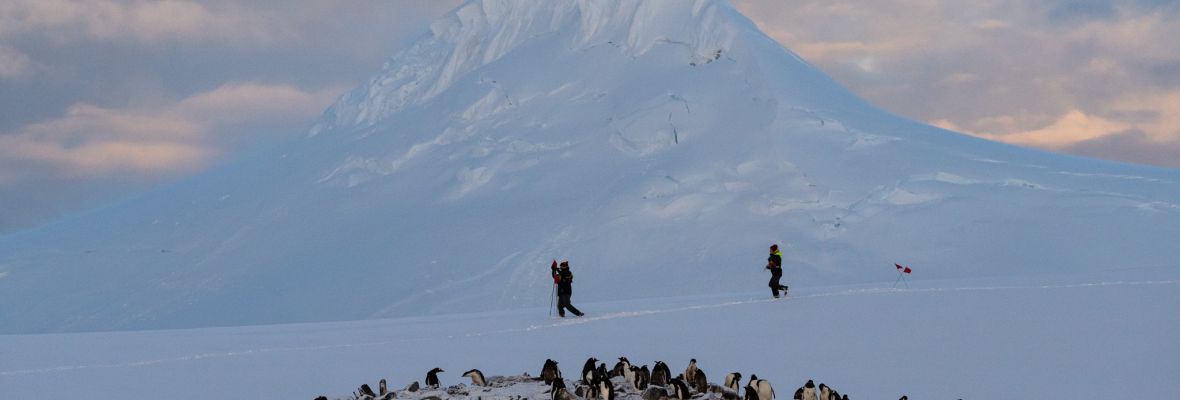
(1053,340)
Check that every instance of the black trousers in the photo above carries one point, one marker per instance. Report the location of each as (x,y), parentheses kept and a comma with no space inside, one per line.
(563,303)
(775,286)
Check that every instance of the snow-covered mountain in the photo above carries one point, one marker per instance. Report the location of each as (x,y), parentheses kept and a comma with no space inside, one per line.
(660,146)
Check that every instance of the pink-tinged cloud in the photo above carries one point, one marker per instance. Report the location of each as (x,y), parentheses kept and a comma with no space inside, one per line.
(143,21)
(159,140)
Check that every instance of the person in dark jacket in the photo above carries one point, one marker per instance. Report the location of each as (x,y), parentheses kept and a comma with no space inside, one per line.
(775,264)
(564,280)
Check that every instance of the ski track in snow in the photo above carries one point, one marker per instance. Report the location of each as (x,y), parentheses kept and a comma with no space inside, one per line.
(572,322)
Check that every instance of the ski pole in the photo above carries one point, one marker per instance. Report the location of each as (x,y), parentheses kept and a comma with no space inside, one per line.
(552,295)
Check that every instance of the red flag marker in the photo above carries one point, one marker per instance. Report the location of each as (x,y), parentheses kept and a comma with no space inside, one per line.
(907,270)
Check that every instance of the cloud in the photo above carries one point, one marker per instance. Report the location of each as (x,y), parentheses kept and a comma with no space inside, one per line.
(1047,74)
(180,137)
(143,21)
(13,63)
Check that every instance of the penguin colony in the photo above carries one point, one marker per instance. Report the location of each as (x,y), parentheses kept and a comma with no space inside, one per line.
(624,381)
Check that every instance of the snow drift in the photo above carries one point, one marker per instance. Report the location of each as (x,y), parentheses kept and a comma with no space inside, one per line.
(660,146)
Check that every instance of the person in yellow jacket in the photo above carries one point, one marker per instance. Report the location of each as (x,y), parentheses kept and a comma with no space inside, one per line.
(775,264)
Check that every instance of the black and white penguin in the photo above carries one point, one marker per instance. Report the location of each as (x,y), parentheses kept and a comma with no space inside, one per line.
(601,373)
(365,390)
(412,387)
(382,389)
(476,377)
(625,370)
(751,389)
(680,387)
(642,377)
(559,392)
(733,381)
(844,397)
(606,391)
(550,372)
(809,390)
(432,378)
(904,398)
(588,370)
(660,374)
(690,373)
(799,393)
(824,392)
(759,389)
(621,367)
(700,382)
(835,395)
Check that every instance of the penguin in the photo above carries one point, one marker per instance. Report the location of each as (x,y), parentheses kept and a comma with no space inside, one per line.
(606,391)
(681,389)
(660,375)
(550,372)
(367,391)
(835,395)
(413,387)
(476,377)
(799,393)
(809,390)
(588,370)
(824,392)
(759,389)
(600,373)
(642,377)
(904,398)
(845,397)
(432,377)
(700,382)
(382,389)
(733,380)
(628,371)
(559,392)
(690,373)
(621,367)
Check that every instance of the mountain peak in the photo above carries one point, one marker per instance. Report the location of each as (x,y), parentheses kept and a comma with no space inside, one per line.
(480,32)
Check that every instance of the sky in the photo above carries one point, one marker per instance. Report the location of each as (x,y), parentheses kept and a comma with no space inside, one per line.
(103,99)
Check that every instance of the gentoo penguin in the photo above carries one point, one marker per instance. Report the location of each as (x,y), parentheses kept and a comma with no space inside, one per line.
(700,382)
(367,391)
(761,388)
(824,392)
(559,392)
(733,381)
(620,368)
(549,372)
(413,387)
(432,377)
(476,377)
(799,393)
(606,391)
(680,388)
(660,374)
(690,373)
(629,373)
(642,377)
(809,390)
(588,370)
